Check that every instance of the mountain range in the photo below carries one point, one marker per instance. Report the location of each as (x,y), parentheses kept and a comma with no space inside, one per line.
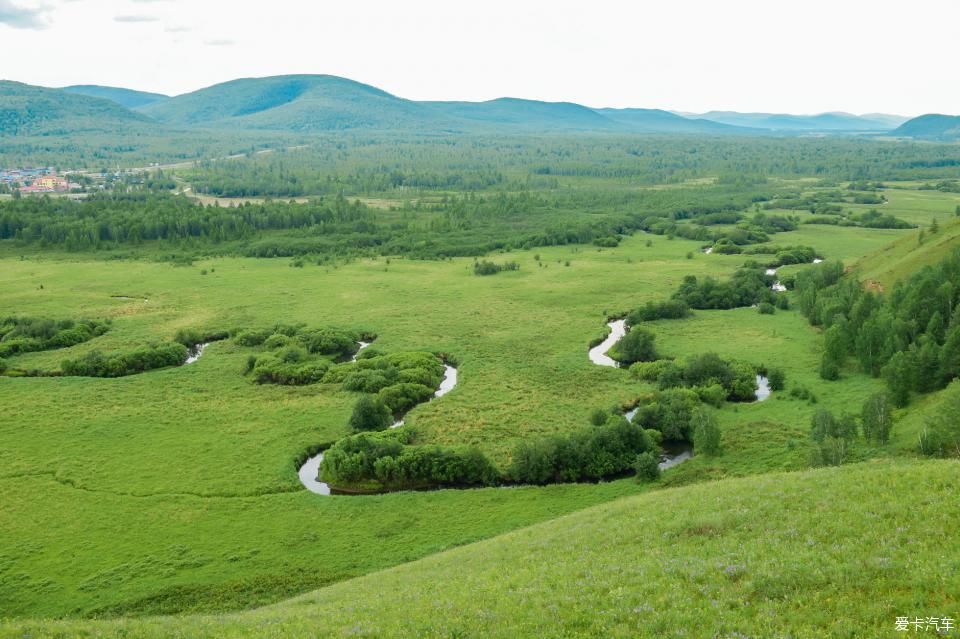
(318,103)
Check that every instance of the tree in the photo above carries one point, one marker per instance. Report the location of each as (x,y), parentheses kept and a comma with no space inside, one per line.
(877,418)
(934,226)
(834,352)
(706,431)
(832,436)
(950,355)
(370,413)
(940,436)
(637,346)
(898,374)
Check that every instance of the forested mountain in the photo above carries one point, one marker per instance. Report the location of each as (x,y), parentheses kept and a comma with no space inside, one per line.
(317,103)
(932,126)
(127,98)
(30,110)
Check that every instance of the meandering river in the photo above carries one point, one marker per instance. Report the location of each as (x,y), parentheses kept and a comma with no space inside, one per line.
(310,469)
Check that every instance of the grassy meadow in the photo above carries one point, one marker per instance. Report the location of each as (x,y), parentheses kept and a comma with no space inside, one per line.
(175,491)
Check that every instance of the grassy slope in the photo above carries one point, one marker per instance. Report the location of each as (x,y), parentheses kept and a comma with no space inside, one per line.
(826,553)
(899,259)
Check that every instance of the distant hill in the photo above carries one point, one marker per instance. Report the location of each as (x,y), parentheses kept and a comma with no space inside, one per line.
(659,121)
(30,110)
(124,97)
(932,126)
(823,122)
(295,102)
(325,103)
(516,113)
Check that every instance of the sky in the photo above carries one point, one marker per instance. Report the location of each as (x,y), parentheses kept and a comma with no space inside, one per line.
(791,56)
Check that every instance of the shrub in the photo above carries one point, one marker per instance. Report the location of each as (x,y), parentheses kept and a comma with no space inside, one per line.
(651,311)
(268,369)
(649,371)
(647,467)
(636,346)
(484,267)
(250,337)
(400,398)
(3,365)
(777,379)
(598,417)
(766,308)
(275,341)
(370,414)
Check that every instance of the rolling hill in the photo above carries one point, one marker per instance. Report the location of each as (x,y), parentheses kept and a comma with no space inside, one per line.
(295,102)
(127,98)
(30,110)
(931,126)
(823,553)
(516,113)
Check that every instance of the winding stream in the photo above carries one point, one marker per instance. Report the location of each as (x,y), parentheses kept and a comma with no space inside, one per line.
(195,352)
(598,354)
(310,470)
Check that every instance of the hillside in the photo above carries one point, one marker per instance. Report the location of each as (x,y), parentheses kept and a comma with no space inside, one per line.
(294,102)
(30,110)
(900,258)
(767,556)
(823,122)
(127,98)
(931,126)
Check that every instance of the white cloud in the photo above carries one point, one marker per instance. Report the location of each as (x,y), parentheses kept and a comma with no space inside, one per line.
(801,56)
(19,17)
(135,18)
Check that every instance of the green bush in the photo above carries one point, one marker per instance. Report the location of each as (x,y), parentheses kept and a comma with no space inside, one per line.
(766,308)
(706,432)
(370,413)
(647,467)
(636,346)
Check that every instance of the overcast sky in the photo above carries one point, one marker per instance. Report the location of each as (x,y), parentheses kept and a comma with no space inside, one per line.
(798,56)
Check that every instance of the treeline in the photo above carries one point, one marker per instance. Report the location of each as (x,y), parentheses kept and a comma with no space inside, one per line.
(28,334)
(145,358)
(105,220)
(909,336)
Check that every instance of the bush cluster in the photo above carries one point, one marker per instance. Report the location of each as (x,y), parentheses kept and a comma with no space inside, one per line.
(97,364)
(593,454)
(28,334)
(485,267)
(388,461)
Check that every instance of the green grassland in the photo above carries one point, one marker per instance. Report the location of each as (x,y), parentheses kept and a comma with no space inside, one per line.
(838,552)
(176,491)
